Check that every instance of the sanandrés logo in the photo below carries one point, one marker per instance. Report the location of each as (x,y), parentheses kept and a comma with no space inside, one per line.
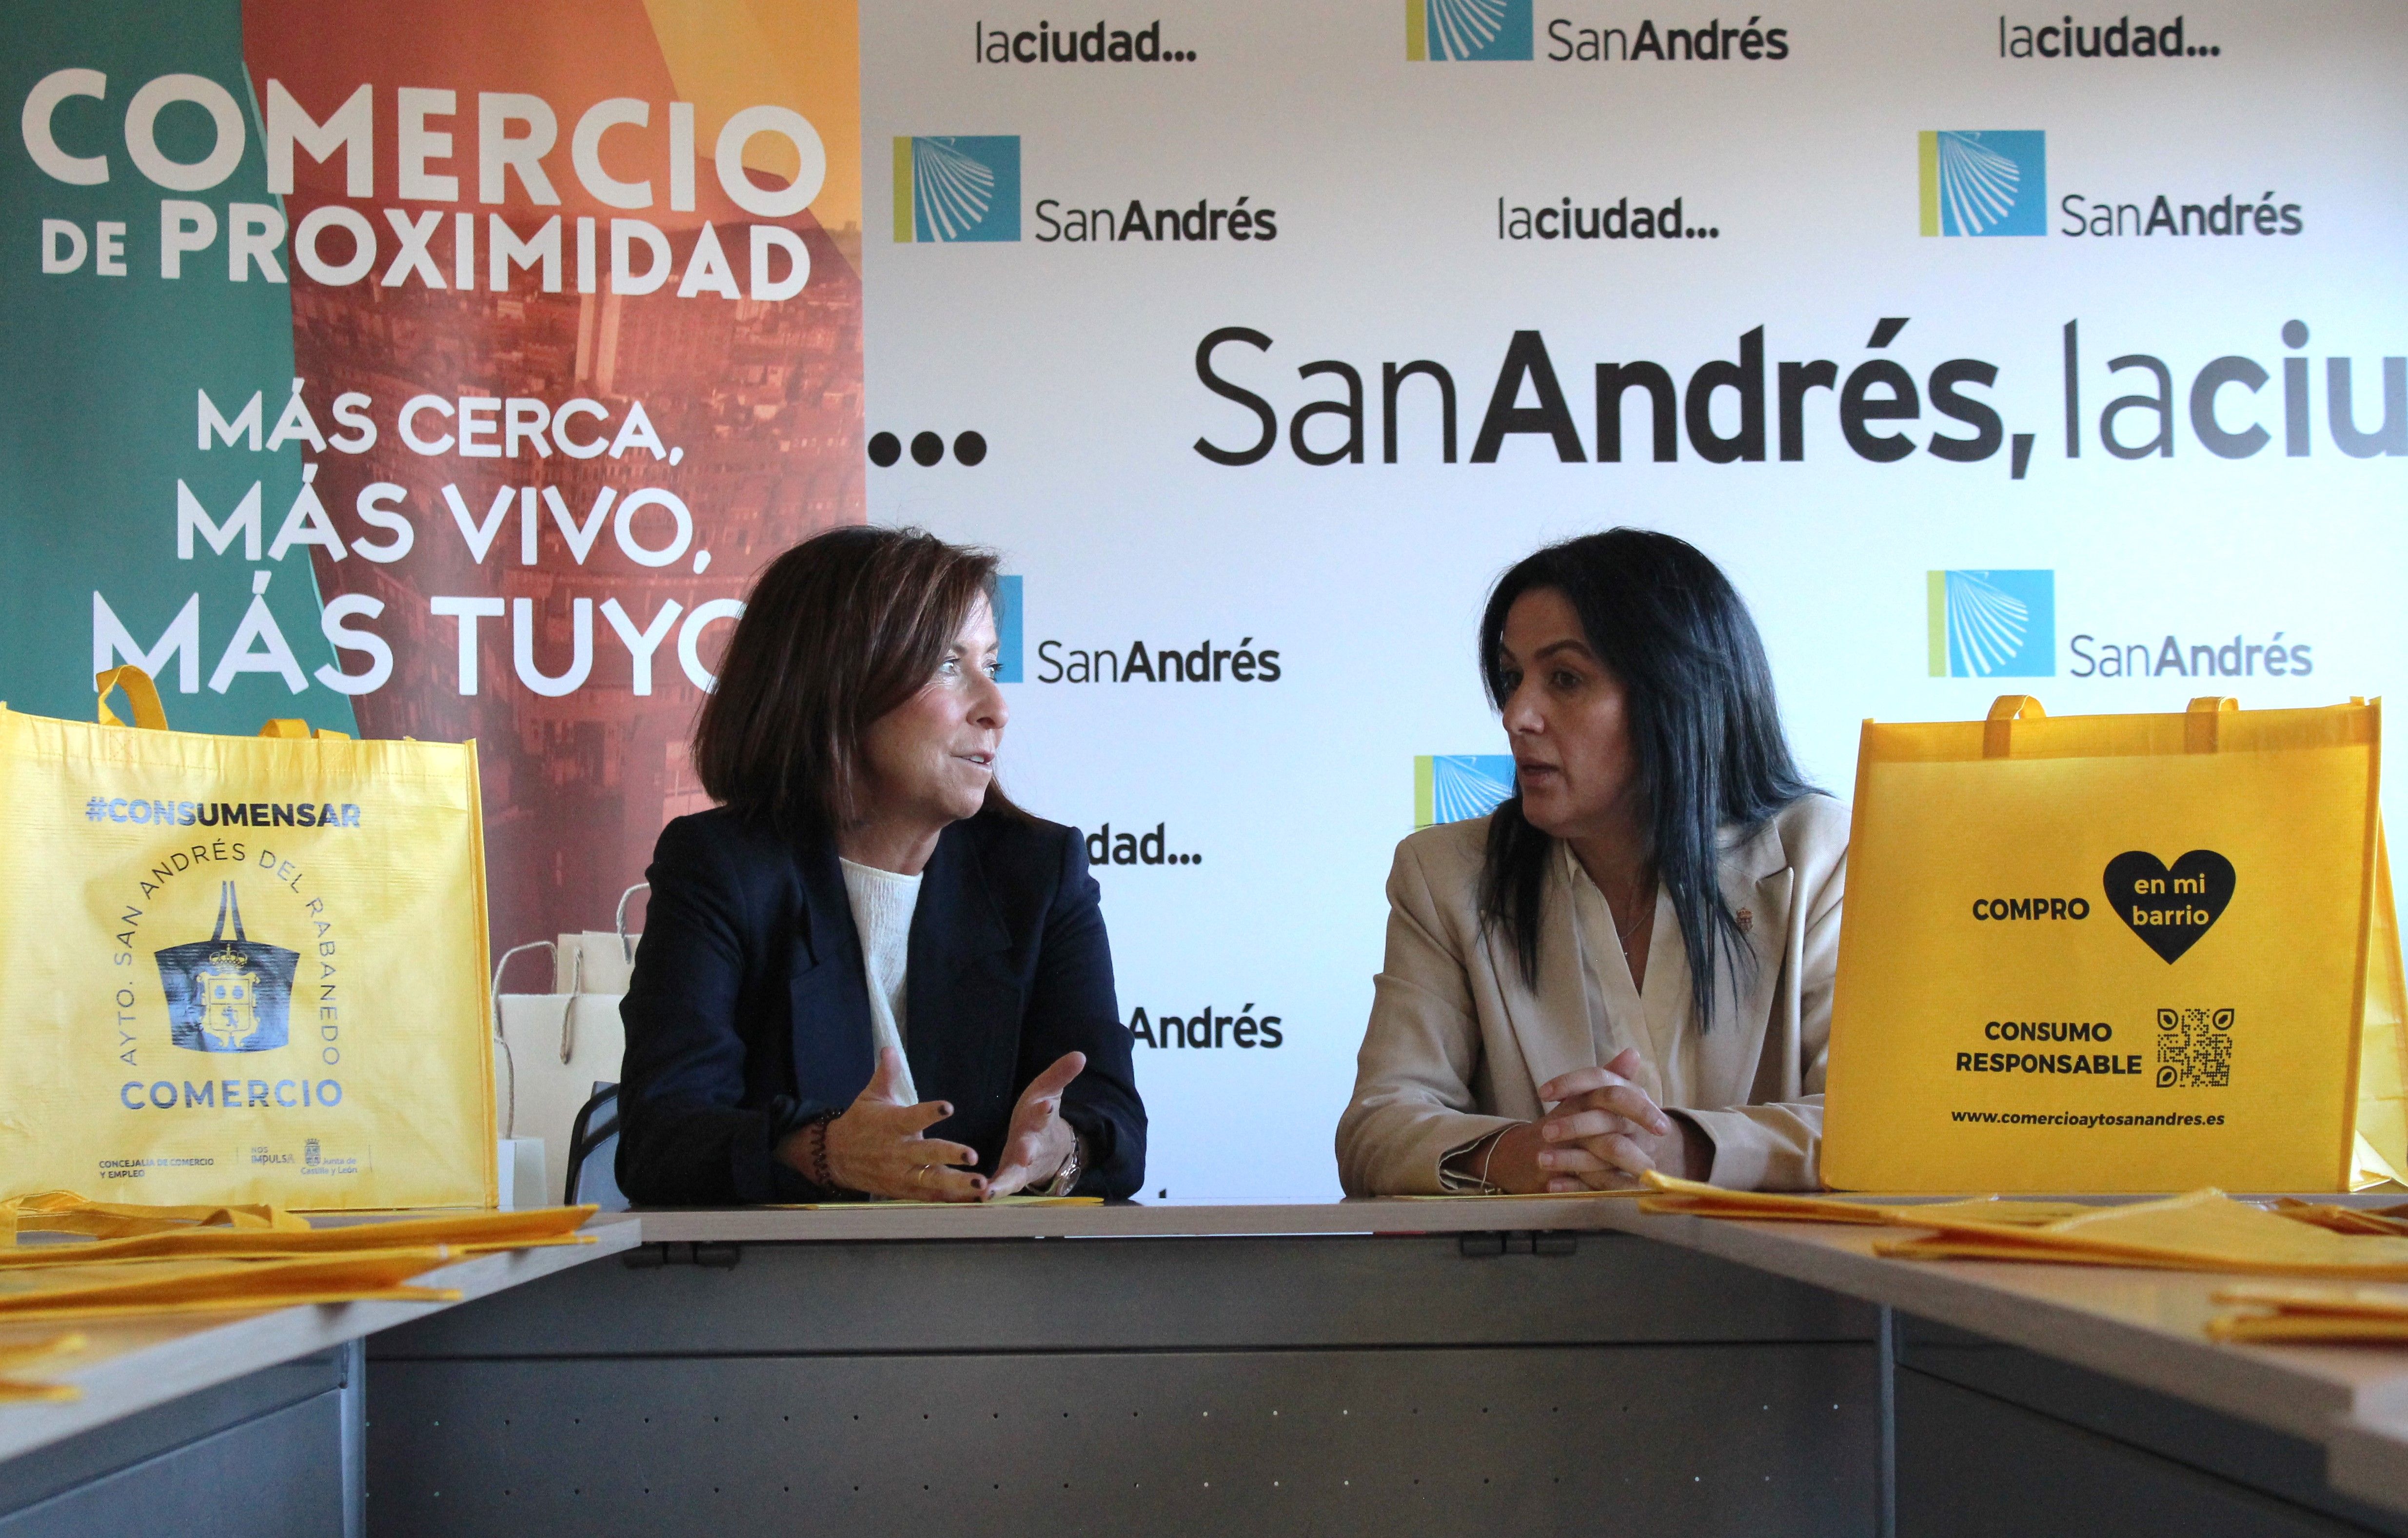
(1771,400)
(2239,657)
(1163,661)
(1098,45)
(2234,214)
(1984,182)
(1454,787)
(966,187)
(1156,226)
(1992,623)
(2003,624)
(1996,182)
(1709,43)
(1169,662)
(957,187)
(1445,31)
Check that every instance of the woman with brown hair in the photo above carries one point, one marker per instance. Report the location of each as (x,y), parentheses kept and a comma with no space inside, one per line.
(867,973)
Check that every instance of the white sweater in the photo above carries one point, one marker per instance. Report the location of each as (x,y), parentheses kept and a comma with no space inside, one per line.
(883,904)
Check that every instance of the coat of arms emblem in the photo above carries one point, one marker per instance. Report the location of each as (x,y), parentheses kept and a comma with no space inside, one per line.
(228,994)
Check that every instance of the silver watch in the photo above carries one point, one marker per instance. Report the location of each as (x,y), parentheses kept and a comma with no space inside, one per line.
(1067,1176)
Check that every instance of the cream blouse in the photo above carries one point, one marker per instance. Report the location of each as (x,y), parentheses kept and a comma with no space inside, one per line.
(1459,1040)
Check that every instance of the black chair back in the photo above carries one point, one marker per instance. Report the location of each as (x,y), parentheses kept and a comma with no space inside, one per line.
(594,1152)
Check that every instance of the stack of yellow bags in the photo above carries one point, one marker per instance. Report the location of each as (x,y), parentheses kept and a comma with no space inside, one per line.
(2340,1219)
(63,1212)
(17,1355)
(1675,1195)
(127,1260)
(2327,1315)
(2312,1315)
(2202,1230)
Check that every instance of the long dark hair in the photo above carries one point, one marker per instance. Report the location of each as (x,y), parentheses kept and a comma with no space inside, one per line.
(1704,729)
(837,632)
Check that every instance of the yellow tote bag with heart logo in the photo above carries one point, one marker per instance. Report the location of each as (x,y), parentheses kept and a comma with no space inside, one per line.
(241,970)
(2118,953)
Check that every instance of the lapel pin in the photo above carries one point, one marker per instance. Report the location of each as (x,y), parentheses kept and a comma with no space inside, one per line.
(1746,920)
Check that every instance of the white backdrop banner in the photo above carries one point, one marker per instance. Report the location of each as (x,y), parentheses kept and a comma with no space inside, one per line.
(1987,351)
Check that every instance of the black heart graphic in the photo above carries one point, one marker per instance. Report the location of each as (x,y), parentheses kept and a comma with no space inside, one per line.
(2170,908)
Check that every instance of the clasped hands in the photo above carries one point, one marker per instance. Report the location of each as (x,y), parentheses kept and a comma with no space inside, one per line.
(1603,1132)
(878,1146)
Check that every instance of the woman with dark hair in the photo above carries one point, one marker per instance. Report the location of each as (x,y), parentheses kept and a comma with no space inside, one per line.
(866,943)
(1627,966)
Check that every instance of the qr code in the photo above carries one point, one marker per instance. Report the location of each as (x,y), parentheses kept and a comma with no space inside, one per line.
(2194,1049)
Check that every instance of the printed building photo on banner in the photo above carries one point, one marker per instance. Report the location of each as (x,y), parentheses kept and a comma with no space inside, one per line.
(485,353)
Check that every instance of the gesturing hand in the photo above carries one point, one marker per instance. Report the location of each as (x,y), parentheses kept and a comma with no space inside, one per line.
(876,1147)
(1039,1139)
(1605,1130)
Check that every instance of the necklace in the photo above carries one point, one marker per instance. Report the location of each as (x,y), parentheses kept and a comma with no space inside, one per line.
(1623,933)
(1644,904)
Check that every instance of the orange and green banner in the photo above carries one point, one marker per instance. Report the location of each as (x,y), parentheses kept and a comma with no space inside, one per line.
(435,370)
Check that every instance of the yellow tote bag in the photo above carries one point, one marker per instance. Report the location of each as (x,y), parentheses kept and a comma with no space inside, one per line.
(241,970)
(2118,953)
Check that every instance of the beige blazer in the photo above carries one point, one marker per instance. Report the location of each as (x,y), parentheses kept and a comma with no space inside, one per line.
(1458,1043)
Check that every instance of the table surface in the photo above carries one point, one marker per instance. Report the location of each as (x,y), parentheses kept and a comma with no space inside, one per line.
(130,1365)
(1115,1220)
(2146,1326)
(856,1221)
(2143,1327)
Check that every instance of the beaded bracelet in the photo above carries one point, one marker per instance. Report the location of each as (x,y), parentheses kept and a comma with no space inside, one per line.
(817,1149)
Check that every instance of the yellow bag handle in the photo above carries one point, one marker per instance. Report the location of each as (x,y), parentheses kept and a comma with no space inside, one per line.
(293,728)
(2203,721)
(150,715)
(2004,711)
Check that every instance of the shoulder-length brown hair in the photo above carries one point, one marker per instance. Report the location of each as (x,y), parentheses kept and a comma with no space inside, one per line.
(837,632)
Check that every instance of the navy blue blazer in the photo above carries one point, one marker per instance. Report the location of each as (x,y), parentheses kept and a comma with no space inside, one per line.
(749,1011)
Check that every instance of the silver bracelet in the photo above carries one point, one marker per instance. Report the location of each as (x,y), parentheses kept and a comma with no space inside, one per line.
(1067,1178)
